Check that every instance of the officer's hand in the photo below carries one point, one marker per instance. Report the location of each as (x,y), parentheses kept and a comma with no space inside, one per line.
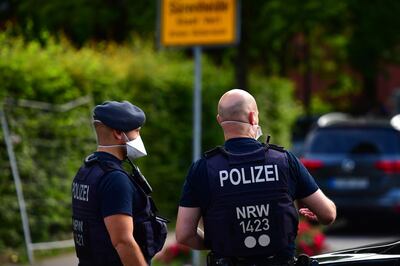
(308,214)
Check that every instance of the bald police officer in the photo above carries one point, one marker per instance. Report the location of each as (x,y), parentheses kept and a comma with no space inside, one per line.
(113,216)
(245,193)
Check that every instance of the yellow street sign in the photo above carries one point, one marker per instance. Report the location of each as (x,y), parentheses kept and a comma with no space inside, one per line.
(198,22)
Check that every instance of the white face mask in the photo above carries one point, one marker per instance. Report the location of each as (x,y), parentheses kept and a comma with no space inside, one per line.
(135,148)
(257,130)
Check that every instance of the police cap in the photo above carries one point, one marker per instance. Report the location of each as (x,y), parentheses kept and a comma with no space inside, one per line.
(122,116)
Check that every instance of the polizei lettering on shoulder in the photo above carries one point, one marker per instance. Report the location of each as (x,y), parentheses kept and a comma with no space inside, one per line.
(80,191)
(254,174)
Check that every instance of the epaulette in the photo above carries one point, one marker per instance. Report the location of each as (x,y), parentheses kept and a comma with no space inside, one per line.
(276,147)
(90,160)
(212,152)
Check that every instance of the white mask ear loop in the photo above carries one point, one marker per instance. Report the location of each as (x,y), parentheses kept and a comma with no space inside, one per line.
(234,121)
(111,146)
(126,138)
(258,130)
(115,145)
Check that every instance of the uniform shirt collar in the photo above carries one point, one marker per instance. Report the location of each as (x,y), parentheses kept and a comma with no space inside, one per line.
(105,156)
(242,145)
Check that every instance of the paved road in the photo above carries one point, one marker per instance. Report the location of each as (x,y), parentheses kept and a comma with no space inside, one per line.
(64,260)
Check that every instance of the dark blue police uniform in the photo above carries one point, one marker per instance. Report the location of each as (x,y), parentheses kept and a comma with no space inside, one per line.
(246,192)
(102,188)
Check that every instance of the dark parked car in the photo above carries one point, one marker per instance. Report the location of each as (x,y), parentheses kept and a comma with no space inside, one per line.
(300,129)
(356,162)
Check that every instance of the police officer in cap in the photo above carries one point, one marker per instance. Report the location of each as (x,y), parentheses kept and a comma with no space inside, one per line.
(113,216)
(245,192)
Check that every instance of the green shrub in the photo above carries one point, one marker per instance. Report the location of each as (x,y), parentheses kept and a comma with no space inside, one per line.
(277,108)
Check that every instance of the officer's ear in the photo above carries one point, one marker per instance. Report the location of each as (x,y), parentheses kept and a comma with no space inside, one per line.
(118,135)
(252,118)
(219,119)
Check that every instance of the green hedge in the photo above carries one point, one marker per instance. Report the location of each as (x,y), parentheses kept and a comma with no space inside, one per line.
(277,108)
(51,146)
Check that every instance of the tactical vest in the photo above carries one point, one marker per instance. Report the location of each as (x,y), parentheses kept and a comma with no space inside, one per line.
(92,241)
(250,212)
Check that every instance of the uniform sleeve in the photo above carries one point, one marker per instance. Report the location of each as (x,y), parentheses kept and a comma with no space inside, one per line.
(196,185)
(305,184)
(116,194)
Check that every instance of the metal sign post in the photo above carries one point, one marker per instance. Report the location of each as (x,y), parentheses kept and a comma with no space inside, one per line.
(197,104)
(197,123)
(18,186)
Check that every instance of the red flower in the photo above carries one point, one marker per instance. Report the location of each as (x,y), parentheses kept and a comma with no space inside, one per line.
(305,248)
(319,240)
(310,239)
(172,252)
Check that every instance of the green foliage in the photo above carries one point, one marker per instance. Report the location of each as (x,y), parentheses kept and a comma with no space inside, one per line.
(81,20)
(277,37)
(50,146)
(320,107)
(345,45)
(275,31)
(277,108)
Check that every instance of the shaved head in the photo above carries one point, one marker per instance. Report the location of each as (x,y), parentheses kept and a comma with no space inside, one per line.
(236,104)
(104,133)
(237,114)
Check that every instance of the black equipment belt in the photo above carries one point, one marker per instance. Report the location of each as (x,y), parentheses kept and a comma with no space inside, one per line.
(213,260)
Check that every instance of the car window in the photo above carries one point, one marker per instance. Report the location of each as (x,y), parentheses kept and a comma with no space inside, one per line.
(354,141)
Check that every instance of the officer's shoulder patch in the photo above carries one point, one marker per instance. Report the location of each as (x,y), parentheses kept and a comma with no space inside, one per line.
(276,147)
(212,152)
